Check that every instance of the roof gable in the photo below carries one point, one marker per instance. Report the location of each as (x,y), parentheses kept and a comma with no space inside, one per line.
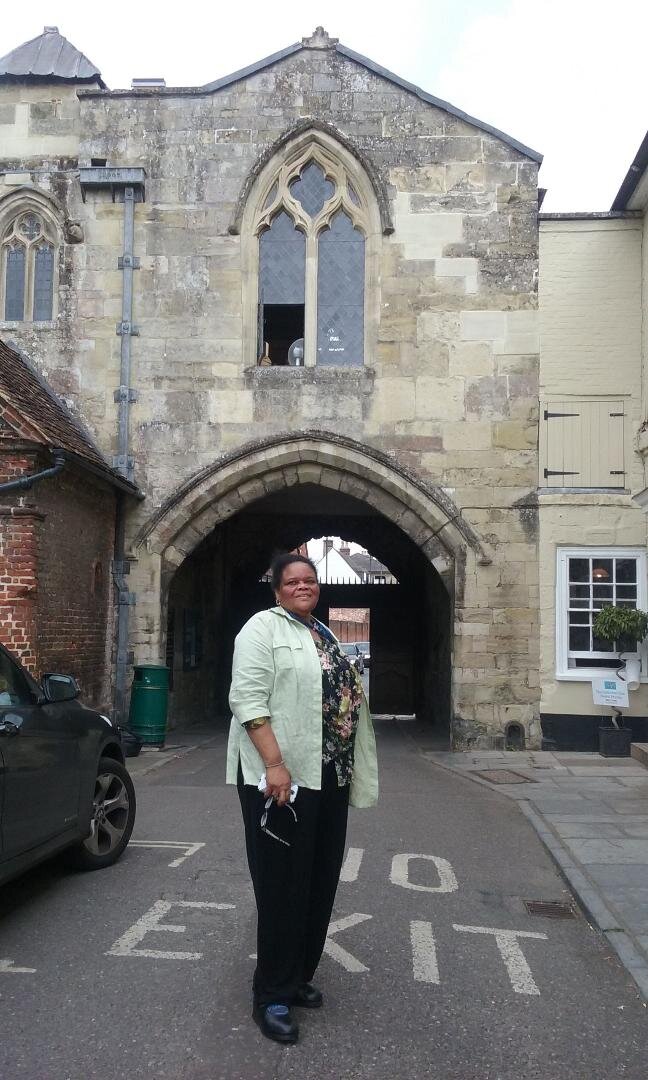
(49,56)
(321,41)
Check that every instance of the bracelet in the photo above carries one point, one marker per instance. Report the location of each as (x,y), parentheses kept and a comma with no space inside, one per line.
(259,722)
(276,764)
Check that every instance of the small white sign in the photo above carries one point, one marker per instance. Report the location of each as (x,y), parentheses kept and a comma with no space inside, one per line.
(610,692)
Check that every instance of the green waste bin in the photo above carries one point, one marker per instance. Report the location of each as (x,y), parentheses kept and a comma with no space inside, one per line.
(148,704)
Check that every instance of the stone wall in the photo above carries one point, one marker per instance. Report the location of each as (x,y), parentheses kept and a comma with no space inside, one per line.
(450,383)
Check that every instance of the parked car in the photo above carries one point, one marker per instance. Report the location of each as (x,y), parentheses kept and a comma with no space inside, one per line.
(351,650)
(365,650)
(63,781)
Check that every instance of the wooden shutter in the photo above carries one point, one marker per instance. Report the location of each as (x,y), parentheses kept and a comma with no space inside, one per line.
(582,444)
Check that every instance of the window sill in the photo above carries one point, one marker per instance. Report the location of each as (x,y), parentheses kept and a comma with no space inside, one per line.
(358,378)
(49,324)
(583,496)
(587,674)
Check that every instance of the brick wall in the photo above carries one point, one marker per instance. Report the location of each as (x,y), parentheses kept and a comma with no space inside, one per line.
(75,595)
(19,527)
(56,596)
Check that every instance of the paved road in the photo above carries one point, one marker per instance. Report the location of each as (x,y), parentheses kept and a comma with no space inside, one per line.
(139,972)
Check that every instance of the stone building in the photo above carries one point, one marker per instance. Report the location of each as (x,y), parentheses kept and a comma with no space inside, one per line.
(298,301)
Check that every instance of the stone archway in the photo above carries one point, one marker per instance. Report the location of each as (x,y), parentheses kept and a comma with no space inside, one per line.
(422,512)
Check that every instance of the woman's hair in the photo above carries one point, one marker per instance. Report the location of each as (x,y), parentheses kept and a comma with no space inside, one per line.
(280,562)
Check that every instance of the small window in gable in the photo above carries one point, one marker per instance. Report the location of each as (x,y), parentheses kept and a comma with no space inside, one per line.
(28,267)
(311,233)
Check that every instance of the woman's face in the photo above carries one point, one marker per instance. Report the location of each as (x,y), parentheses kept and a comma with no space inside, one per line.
(299,589)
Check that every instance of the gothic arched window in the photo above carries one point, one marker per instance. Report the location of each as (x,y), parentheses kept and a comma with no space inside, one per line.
(312,225)
(28,249)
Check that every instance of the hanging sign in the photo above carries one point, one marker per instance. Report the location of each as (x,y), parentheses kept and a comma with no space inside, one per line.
(610,691)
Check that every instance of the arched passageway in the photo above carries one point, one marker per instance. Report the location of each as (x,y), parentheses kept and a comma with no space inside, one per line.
(218,587)
(199,558)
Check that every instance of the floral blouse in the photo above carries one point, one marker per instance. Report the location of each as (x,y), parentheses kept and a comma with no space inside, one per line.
(341,699)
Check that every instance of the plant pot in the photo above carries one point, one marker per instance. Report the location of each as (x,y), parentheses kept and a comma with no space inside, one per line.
(614,742)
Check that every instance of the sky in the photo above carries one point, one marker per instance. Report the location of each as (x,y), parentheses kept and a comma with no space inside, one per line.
(565,77)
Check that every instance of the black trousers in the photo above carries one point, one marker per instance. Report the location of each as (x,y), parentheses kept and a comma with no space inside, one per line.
(294,886)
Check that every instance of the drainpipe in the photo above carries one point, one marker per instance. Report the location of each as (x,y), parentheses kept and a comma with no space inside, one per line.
(130,181)
(124,396)
(25,482)
(123,462)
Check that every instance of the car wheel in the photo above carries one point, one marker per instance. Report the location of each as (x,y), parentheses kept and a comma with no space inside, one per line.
(113,816)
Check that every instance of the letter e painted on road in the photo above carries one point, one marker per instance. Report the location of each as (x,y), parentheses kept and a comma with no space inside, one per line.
(151,921)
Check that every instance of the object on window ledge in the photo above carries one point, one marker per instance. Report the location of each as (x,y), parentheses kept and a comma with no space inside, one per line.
(296,353)
(264,360)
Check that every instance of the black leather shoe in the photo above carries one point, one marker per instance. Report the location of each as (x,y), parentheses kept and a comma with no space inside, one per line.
(276,1023)
(308,997)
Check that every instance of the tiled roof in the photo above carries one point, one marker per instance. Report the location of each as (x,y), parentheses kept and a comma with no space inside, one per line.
(49,55)
(25,390)
(365,563)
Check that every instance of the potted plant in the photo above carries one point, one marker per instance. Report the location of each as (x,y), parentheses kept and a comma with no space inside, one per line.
(626,628)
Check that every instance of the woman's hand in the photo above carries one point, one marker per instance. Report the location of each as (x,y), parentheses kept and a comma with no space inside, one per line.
(278,781)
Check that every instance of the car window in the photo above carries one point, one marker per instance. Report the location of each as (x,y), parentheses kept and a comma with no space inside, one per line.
(14,688)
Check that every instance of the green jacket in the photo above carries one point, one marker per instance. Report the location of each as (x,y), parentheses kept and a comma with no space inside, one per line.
(276,673)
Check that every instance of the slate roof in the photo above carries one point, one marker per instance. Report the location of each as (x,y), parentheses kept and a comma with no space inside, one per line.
(49,55)
(23,388)
(362,563)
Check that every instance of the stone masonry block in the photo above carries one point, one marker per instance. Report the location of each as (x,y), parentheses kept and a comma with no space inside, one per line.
(440,399)
(484,326)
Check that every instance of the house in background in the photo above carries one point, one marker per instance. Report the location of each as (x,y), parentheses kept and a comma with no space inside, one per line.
(334,567)
(592,494)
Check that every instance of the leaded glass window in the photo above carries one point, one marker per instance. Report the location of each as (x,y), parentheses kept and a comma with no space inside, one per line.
(14,282)
(43,282)
(340,293)
(28,269)
(311,296)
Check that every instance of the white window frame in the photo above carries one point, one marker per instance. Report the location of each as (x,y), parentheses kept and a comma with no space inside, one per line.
(586,674)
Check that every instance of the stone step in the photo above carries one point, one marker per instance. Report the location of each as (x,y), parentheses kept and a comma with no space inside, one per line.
(639,751)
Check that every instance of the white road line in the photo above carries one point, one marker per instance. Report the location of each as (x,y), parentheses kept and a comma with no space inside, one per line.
(189,848)
(400,874)
(351,867)
(8,967)
(424,954)
(150,922)
(335,951)
(514,959)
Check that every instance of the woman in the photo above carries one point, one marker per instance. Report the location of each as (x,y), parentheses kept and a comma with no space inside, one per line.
(300,723)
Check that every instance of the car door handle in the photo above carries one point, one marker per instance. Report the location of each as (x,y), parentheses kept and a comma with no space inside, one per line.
(10,725)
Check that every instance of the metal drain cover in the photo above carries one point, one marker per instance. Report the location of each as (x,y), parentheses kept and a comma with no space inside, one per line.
(550,909)
(504,776)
